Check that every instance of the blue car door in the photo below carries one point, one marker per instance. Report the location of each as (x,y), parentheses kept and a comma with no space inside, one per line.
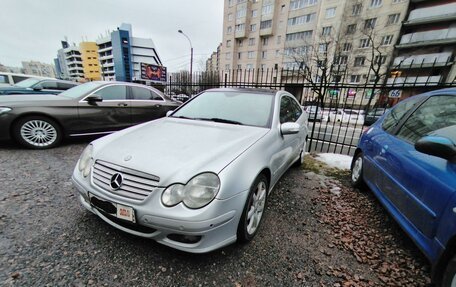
(416,183)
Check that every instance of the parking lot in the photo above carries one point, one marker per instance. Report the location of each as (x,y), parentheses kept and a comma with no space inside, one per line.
(316,232)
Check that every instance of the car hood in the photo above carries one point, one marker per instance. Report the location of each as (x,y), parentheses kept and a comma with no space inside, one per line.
(175,150)
(29,100)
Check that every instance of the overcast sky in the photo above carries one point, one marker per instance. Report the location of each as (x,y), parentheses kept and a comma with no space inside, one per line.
(32,29)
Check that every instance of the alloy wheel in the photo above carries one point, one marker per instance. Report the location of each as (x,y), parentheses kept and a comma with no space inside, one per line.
(256,208)
(38,133)
(357,168)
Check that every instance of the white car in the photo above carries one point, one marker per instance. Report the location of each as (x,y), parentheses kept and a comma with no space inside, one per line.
(198,179)
(348,116)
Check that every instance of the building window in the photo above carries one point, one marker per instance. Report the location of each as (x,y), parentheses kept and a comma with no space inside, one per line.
(264,55)
(230,17)
(266,24)
(227,66)
(346,47)
(398,1)
(253,27)
(239,66)
(228,56)
(263,66)
(380,60)
(249,66)
(228,43)
(355,78)
(393,19)
(282,9)
(267,9)
(241,13)
(301,19)
(326,31)
(375,3)
(240,42)
(323,48)
(277,53)
(370,23)
(387,40)
(265,41)
(330,12)
(254,13)
(239,55)
(359,61)
(341,60)
(357,8)
(251,41)
(365,43)
(305,35)
(351,29)
(230,3)
(250,54)
(240,27)
(229,30)
(299,4)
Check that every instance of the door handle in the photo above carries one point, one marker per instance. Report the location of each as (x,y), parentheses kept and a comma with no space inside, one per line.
(122,104)
(157,106)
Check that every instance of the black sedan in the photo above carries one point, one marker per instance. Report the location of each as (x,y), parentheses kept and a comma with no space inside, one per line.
(95,108)
(38,86)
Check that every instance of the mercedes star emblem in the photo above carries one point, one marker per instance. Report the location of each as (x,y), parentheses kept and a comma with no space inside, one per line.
(127,158)
(116,181)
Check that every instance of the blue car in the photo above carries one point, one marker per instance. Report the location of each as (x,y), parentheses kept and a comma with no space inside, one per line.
(408,160)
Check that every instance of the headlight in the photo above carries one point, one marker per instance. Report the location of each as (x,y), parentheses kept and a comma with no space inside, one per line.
(85,161)
(4,110)
(198,192)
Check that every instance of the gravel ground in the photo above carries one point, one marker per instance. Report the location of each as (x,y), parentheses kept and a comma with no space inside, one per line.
(316,232)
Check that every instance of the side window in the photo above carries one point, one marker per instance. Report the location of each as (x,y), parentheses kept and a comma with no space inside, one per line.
(4,79)
(49,85)
(141,94)
(396,114)
(436,113)
(116,92)
(64,86)
(156,97)
(288,110)
(17,79)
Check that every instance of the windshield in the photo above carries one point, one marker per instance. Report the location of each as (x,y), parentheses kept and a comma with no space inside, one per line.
(28,83)
(81,90)
(250,109)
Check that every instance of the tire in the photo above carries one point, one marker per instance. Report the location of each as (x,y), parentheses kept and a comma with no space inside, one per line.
(356,175)
(248,226)
(37,132)
(449,277)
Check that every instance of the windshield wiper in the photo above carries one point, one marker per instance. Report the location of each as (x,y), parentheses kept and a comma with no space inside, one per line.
(219,120)
(182,117)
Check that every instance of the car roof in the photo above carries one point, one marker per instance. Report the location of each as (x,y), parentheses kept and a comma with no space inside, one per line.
(245,90)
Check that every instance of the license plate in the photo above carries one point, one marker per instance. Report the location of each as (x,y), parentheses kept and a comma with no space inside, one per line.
(114,209)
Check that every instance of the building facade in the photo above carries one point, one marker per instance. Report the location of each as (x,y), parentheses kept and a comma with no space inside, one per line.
(121,55)
(425,53)
(213,62)
(38,69)
(90,62)
(348,35)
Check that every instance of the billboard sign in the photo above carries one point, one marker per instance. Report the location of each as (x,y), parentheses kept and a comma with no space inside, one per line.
(153,73)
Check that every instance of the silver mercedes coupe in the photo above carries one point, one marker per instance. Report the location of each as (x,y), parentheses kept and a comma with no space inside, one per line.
(198,179)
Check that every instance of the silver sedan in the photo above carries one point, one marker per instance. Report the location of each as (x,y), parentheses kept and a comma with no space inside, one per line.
(200,178)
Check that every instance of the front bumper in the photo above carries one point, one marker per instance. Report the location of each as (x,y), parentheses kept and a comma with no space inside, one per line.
(215,223)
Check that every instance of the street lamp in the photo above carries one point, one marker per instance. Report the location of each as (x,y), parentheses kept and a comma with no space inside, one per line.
(191,56)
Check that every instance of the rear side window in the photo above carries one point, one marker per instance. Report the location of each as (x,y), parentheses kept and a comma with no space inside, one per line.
(396,114)
(144,94)
(4,79)
(48,85)
(17,79)
(116,92)
(436,113)
(64,86)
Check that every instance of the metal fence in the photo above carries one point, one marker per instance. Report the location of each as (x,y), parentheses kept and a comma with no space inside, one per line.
(337,109)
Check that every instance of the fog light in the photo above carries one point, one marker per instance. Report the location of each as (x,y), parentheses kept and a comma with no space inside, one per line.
(188,239)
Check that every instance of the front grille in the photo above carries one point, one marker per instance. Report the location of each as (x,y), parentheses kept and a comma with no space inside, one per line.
(135,184)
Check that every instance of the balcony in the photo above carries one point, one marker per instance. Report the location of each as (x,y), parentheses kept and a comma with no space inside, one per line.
(240,34)
(105,49)
(106,57)
(432,14)
(266,32)
(423,61)
(414,81)
(427,38)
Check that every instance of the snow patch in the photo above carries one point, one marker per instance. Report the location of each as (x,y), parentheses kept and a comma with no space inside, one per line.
(339,161)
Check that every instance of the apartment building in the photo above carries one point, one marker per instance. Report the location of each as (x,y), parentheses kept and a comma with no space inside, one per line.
(90,62)
(121,55)
(425,52)
(38,69)
(292,34)
(213,63)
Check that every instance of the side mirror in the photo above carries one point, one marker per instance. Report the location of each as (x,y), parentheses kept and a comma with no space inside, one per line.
(437,146)
(289,128)
(93,98)
(168,113)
